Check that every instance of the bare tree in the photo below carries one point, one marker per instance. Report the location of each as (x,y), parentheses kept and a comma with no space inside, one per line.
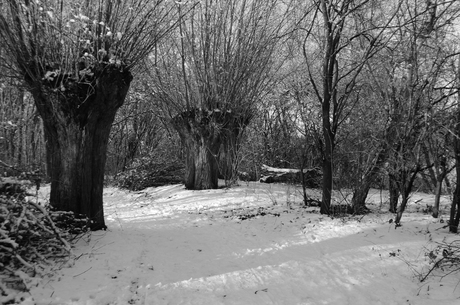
(76,59)
(362,146)
(412,78)
(345,34)
(454,218)
(418,93)
(212,75)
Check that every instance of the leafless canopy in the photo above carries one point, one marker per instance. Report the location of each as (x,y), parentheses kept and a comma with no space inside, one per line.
(221,56)
(62,36)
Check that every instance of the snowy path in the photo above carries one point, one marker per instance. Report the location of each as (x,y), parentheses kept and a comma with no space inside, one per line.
(172,246)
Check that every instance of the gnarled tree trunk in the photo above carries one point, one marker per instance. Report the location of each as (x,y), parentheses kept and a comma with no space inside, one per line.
(228,157)
(201,169)
(77,124)
(360,193)
(203,133)
(200,133)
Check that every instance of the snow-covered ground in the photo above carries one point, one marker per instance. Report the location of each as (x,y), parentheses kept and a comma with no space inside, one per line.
(251,244)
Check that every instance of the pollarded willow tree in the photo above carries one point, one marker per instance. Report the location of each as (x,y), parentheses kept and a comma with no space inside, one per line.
(211,76)
(76,59)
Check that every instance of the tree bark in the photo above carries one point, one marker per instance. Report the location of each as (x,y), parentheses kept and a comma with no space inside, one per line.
(228,156)
(327,186)
(440,177)
(77,125)
(329,97)
(360,193)
(455,210)
(401,209)
(394,192)
(330,104)
(433,176)
(201,165)
(362,190)
(202,133)
(406,183)
(454,218)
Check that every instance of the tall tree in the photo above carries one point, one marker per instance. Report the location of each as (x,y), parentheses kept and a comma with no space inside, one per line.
(418,92)
(211,76)
(454,219)
(76,58)
(346,34)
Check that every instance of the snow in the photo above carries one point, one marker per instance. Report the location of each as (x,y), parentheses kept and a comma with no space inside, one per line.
(251,244)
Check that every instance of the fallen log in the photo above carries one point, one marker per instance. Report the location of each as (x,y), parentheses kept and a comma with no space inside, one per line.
(270,174)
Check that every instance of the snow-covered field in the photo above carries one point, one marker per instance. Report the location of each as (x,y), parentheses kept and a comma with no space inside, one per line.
(251,244)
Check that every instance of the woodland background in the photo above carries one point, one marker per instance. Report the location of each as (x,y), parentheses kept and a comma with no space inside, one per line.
(367,91)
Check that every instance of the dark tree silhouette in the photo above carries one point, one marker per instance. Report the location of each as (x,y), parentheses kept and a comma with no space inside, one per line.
(76,59)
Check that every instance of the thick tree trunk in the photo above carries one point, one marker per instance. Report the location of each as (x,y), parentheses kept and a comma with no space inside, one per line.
(77,125)
(228,157)
(228,163)
(202,134)
(201,164)
(360,193)
(189,176)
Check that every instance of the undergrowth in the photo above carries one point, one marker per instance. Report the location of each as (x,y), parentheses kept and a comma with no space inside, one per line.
(34,241)
(147,173)
(444,259)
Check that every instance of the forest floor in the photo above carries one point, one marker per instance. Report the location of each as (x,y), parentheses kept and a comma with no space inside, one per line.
(252,244)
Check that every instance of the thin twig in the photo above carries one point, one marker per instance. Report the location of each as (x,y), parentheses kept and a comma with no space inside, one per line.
(82,272)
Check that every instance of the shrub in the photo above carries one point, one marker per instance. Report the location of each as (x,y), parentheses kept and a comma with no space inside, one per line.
(146,172)
(445,258)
